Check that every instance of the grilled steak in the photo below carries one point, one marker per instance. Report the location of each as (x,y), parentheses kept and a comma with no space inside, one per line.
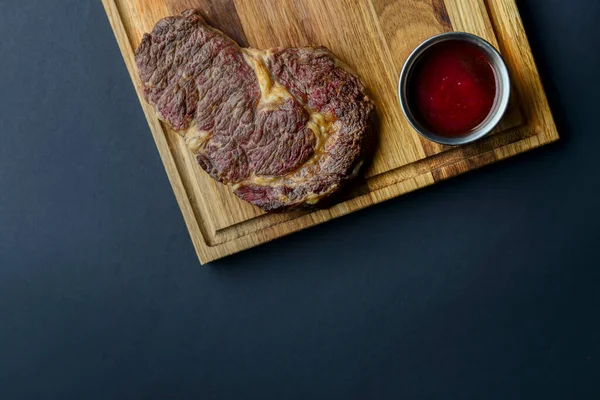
(285,126)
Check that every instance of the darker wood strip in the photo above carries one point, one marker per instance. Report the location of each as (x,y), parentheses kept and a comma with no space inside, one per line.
(220,14)
(441,14)
(463,166)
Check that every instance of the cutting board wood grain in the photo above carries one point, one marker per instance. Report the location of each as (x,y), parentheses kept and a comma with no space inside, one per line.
(374,37)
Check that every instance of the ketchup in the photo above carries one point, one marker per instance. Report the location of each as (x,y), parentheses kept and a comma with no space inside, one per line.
(452,88)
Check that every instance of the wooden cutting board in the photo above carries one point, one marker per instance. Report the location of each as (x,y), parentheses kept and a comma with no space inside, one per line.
(374,37)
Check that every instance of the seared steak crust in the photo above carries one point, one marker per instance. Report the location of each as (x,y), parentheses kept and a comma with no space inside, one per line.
(284,127)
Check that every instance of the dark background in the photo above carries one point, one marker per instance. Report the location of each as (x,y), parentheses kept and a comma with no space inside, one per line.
(485,286)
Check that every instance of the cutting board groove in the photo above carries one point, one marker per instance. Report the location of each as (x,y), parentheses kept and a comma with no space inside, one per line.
(374,37)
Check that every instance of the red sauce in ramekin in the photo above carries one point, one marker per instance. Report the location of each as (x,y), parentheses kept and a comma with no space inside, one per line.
(452,88)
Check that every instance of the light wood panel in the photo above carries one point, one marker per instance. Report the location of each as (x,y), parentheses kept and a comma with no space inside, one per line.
(374,37)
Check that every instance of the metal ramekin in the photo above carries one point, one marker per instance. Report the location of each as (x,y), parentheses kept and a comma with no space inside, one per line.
(502,88)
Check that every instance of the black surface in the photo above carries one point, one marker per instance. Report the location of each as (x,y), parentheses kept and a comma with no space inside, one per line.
(485,286)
